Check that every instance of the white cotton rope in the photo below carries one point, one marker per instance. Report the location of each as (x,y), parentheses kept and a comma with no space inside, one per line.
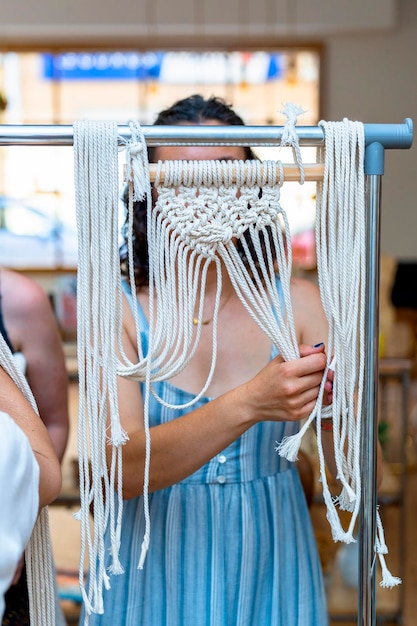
(202,209)
(99,323)
(341,267)
(290,136)
(99,333)
(38,553)
(199,215)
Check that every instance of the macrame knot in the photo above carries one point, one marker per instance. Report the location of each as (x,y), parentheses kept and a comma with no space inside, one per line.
(290,136)
(137,162)
(291,112)
(259,220)
(268,214)
(135,149)
(205,236)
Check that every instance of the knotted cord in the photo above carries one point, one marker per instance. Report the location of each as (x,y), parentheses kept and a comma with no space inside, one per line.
(342,274)
(341,268)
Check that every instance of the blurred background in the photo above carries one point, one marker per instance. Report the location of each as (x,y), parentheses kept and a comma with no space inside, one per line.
(37,218)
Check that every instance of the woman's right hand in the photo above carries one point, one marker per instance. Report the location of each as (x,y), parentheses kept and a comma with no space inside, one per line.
(288,390)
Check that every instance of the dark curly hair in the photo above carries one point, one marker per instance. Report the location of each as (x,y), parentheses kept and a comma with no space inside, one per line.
(193,110)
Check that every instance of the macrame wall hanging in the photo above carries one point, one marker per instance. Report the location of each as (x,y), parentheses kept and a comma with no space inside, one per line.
(202,209)
(38,553)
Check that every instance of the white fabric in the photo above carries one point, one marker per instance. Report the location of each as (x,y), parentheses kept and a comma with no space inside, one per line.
(19,498)
(38,554)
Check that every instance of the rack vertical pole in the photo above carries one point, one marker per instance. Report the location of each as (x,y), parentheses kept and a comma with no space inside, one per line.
(374,168)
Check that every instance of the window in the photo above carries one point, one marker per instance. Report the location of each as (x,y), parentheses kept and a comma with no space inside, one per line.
(59,88)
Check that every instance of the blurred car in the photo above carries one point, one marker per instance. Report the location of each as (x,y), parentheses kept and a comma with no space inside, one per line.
(29,237)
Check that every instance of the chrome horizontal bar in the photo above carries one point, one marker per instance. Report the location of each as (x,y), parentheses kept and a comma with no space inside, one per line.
(28,135)
(389,135)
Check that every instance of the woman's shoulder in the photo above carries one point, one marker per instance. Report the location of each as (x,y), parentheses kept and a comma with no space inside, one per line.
(20,293)
(304,288)
(308,311)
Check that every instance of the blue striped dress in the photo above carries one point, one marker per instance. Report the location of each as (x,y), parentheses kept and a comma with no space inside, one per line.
(231,545)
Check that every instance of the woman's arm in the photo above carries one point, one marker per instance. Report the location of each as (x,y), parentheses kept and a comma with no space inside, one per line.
(20,410)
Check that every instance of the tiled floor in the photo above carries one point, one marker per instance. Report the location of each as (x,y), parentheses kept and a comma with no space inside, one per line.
(66,545)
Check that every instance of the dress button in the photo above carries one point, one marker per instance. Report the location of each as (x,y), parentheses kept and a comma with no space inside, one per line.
(221,479)
(222,458)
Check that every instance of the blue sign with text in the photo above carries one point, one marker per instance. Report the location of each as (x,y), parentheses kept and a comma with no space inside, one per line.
(166,67)
(102,66)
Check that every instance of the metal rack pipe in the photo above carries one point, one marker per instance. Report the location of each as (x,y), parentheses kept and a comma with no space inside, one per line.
(388,135)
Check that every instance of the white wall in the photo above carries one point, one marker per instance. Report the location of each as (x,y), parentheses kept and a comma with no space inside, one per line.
(373,78)
(370,71)
(157,22)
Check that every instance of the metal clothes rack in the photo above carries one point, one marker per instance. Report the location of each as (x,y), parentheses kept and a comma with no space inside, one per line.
(378,138)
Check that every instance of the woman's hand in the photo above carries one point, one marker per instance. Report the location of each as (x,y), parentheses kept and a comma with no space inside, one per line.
(288,390)
(328,385)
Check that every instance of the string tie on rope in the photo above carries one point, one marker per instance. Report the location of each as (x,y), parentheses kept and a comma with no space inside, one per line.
(137,170)
(290,135)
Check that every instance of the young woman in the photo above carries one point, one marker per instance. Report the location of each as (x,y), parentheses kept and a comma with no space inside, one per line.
(231,541)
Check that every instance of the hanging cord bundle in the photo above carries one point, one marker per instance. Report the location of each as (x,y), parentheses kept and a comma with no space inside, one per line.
(340,235)
(101,357)
(341,243)
(38,553)
(99,322)
(340,240)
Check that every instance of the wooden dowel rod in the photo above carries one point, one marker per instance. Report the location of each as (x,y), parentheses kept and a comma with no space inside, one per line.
(312,172)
